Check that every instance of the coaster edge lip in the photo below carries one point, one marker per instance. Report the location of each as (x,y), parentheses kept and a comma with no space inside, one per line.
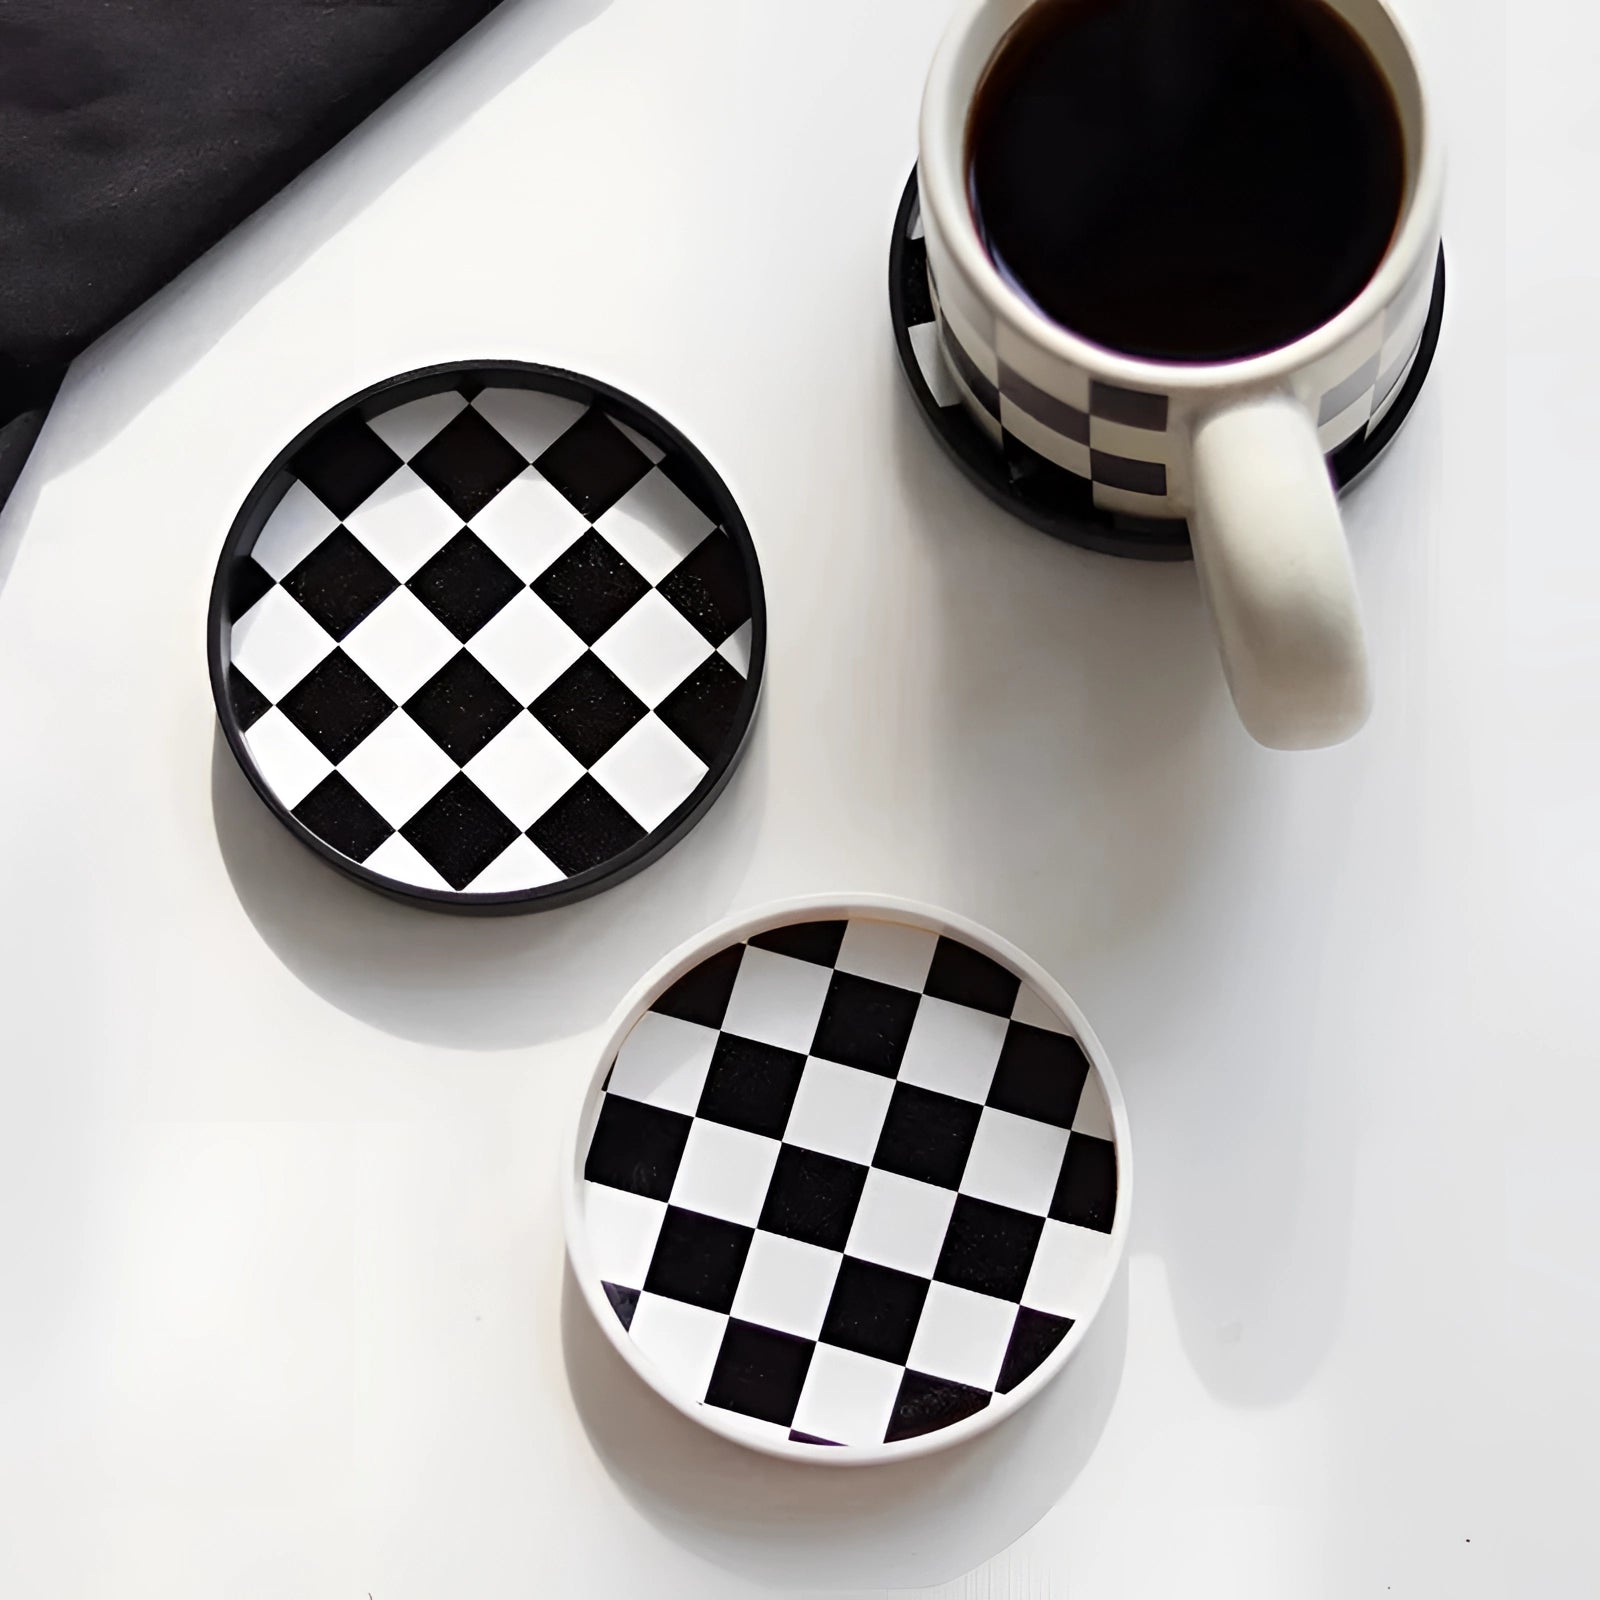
(742,925)
(437,377)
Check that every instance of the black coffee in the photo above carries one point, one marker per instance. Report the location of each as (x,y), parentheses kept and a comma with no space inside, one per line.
(1191,180)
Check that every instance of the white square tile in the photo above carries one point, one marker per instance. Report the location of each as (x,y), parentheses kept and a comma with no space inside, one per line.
(777,999)
(650,771)
(900,1222)
(404,523)
(926,348)
(1094,1110)
(526,646)
(652,647)
(529,523)
(405,429)
(847,1398)
(654,451)
(621,1229)
(839,1110)
(290,763)
(724,1172)
(735,649)
(397,768)
(891,952)
(786,1285)
(962,1336)
(276,643)
(528,418)
(521,865)
(1070,1269)
(953,1049)
(1031,1008)
(680,1340)
(298,524)
(397,858)
(1072,454)
(524,769)
(664,1062)
(655,525)
(400,644)
(1015,1161)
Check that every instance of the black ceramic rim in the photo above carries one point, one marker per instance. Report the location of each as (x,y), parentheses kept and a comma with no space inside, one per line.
(270,488)
(1105,531)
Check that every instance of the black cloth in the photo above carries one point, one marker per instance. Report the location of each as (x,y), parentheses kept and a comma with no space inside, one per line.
(135,133)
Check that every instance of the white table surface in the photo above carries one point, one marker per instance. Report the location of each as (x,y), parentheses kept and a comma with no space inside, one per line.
(281,1280)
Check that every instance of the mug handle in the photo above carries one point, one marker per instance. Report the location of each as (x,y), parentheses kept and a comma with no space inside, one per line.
(1275,570)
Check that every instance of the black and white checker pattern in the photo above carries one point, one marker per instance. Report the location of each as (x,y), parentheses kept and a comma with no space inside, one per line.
(849,1181)
(1096,472)
(491,639)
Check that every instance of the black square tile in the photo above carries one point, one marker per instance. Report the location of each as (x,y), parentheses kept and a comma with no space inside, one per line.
(698,1259)
(925,1404)
(247,582)
(344,464)
(340,582)
(874,1310)
(594,463)
(927,1136)
(968,978)
(865,1023)
(590,587)
(711,587)
(248,702)
(691,481)
(759,1372)
(816,942)
(989,1248)
(1086,1192)
(703,708)
(462,707)
(338,815)
(465,584)
(623,1301)
(460,831)
(1123,472)
(751,1085)
(796,1437)
(336,705)
(702,995)
(1040,1075)
(812,1197)
(467,463)
(915,295)
(1034,1337)
(636,1147)
(585,828)
(1133,407)
(588,708)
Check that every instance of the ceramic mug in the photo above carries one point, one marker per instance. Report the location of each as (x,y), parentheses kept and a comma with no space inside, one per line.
(1238,448)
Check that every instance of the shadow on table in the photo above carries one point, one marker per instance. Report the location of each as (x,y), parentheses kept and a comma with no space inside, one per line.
(909,1524)
(476,983)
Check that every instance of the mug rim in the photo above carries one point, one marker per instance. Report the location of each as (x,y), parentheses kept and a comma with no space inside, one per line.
(946,209)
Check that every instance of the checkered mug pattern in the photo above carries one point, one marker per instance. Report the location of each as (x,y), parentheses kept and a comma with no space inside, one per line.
(1237,448)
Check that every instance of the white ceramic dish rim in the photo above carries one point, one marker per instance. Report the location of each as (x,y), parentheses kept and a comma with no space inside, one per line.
(742,926)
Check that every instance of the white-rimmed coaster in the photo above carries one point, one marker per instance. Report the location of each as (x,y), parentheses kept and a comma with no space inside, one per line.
(851,1182)
(488,636)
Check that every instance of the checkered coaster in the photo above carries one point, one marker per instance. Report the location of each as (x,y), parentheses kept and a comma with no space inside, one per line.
(849,1181)
(488,640)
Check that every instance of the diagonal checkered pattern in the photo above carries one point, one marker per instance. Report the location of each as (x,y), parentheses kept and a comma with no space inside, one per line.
(1119,444)
(848,1181)
(488,639)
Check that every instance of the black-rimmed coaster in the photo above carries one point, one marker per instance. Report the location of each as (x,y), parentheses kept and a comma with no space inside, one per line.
(488,636)
(1049,497)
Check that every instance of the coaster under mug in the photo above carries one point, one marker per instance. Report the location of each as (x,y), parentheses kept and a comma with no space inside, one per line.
(488,636)
(851,1180)
(1047,496)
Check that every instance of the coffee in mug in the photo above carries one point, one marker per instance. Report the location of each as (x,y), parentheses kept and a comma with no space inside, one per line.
(1187,180)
